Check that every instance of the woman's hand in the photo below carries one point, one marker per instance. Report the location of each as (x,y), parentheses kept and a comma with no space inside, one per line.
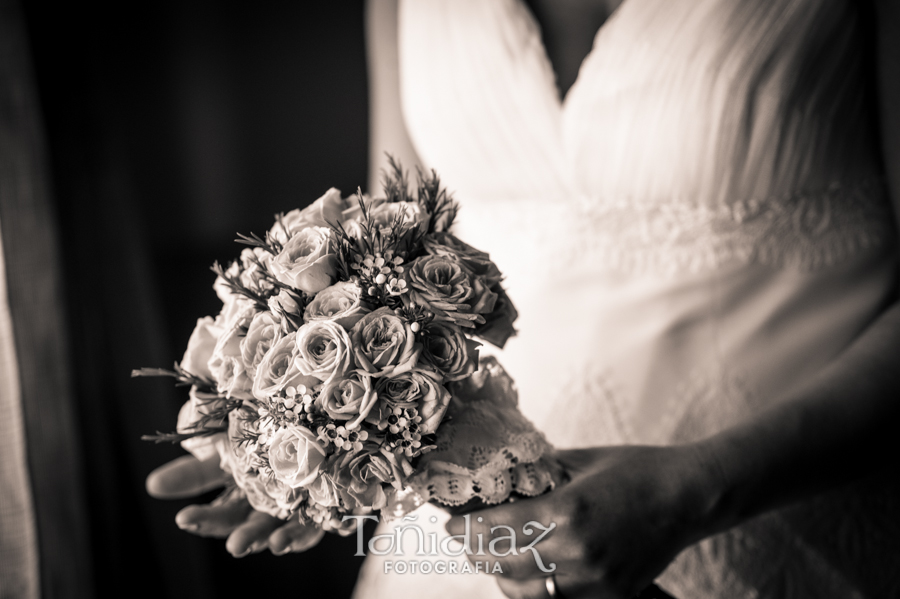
(625,514)
(247,530)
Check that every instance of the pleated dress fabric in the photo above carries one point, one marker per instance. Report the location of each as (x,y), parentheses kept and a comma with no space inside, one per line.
(696,229)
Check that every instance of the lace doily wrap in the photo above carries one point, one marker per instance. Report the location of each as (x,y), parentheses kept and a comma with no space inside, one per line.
(486,449)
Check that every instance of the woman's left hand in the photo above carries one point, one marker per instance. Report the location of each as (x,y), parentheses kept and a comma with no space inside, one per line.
(624,515)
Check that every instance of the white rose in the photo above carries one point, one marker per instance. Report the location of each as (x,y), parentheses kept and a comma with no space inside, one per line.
(252,276)
(295,456)
(232,304)
(341,303)
(286,302)
(308,261)
(226,364)
(200,348)
(277,370)
(195,408)
(384,215)
(323,212)
(351,398)
(264,331)
(323,350)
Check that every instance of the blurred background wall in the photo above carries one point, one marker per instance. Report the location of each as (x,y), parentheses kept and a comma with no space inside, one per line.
(169,127)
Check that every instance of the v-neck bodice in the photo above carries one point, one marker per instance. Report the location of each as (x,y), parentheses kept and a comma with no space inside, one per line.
(711,102)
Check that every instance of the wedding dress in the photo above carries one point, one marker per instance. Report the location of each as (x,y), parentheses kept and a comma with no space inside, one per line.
(696,229)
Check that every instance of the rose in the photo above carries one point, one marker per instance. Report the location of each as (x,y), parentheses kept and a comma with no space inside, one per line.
(263,332)
(271,496)
(323,212)
(383,215)
(253,260)
(372,466)
(361,477)
(232,304)
(286,499)
(451,291)
(295,456)
(323,492)
(386,214)
(200,348)
(449,351)
(445,244)
(307,261)
(351,398)
(190,416)
(241,461)
(341,303)
(232,379)
(287,307)
(252,256)
(498,325)
(277,370)
(226,364)
(417,388)
(405,390)
(236,457)
(285,302)
(323,350)
(383,344)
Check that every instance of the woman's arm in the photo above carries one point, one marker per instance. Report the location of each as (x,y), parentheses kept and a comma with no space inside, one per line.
(841,425)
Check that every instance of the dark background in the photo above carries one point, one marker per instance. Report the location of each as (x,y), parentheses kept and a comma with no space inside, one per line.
(170,127)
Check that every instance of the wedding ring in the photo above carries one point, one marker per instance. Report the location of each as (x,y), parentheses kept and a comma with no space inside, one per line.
(552,591)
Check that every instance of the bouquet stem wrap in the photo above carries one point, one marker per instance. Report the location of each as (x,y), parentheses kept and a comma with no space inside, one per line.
(486,450)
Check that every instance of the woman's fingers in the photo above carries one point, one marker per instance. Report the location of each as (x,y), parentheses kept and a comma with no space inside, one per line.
(218,519)
(577,461)
(294,537)
(185,477)
(253,535)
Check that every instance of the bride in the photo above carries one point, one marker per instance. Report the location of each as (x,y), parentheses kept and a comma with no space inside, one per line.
(691,201)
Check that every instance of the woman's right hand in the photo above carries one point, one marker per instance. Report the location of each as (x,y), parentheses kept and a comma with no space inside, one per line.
(246,530)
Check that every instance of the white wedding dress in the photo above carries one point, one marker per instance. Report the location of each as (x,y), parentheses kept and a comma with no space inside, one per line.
(699,227)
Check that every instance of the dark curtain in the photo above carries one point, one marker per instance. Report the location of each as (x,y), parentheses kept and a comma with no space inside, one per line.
(171,127)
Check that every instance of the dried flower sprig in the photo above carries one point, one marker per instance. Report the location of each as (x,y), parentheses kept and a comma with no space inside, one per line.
(182,377)
(436,202)
(269,244)
(237,287)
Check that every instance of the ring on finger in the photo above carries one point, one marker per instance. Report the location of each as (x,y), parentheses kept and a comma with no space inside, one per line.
(553,591)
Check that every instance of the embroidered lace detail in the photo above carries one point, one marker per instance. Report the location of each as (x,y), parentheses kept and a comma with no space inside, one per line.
(805,231)
(486,448)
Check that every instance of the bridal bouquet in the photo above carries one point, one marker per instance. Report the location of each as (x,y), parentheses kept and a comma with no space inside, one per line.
(342,374)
